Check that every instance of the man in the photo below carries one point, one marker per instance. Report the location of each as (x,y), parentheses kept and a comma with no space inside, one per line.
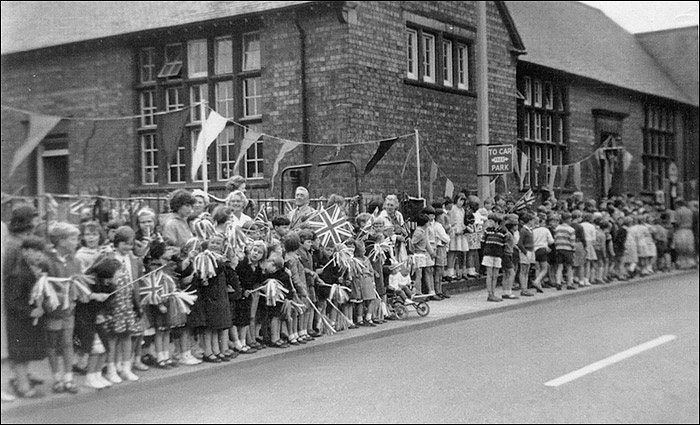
(303,211)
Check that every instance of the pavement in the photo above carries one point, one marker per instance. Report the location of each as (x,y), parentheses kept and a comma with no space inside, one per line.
(468,301)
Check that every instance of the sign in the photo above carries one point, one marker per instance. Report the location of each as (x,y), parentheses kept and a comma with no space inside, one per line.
(672,172)
(500,159)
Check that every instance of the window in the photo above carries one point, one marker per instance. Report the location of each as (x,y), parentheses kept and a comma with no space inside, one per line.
(173,61)
(224,99)
(223,73)
(149,162)
(199,95)
(527,91)
(428,58)
(148,65)
(539,139)
(548,96)
(178,167)
(254,156)
(462,67)
(538,94)
(659,148)
(197,59)
(172,99)
(226,155)
(223,59)
(251,51)
(447,63)
(148,108)
(251,97)
(412,54)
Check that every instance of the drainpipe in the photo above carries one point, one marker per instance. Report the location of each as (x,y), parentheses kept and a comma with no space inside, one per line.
(482,104)
(304,100)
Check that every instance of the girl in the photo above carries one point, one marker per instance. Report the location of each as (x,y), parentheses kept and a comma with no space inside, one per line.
(250,276)
(457,254)
(214,298)
(526,246)
(196,318)
(542,242)
(442,241)
(363,283)
(423,256)
(123,309)
(91,237)
(273,268)
(292,243)
(507,265)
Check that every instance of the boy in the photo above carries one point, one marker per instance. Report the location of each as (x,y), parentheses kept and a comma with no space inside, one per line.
(564,242)
(493,243)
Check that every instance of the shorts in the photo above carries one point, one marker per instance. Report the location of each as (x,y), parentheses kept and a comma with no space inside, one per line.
(527,257)
(565,257)
(542,255)
(60,324)
(489,261)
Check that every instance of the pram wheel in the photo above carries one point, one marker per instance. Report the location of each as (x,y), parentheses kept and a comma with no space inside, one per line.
(423,309)
(401,311)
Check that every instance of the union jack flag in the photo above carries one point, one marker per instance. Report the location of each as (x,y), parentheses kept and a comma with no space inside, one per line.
(331,226)
(527,199)
(152,288)
(262,216)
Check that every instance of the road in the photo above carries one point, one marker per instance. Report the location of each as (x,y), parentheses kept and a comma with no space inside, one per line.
(491,369)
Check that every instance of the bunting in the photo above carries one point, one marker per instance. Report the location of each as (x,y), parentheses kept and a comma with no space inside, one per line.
(564,176)
(171,129)
(408,156)
(626,160)
(286,147)
(39,127)
(524,169)
(214,125)
(577,176)
(552,176)
(433,177)
(248,140)
(449,188)
(383,148)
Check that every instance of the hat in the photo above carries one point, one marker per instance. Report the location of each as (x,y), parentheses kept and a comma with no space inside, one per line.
(512,219)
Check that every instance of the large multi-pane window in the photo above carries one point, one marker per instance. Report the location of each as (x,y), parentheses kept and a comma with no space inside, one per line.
(254,156)
(542,120)
(659,148)
(437,58)
(219,73)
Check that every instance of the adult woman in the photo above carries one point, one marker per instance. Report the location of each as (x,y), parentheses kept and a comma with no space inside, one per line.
(394,217)
(457,253)
(683,239)
(237,201)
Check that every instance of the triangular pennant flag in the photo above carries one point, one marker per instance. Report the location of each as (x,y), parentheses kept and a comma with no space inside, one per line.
(383,148)
(171,128)
(564,176)
(433,177)
(626,160)
(214,125)
(516,165)
(408,156)
(552,176)
(492,188)
(286,147)
(39,127)
(449,188)
(577,176)
(248,140)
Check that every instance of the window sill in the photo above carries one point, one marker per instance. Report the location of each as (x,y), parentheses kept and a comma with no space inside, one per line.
(438,87)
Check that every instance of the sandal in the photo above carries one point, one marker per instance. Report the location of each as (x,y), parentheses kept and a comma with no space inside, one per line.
(70,387)
(223,357)
(163,364)
(280,344)
(211,359)
(294,341)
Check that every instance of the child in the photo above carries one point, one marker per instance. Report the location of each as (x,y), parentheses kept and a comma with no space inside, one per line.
(91,237)
(400,283)
(600,252)
(442,242)
(564,242)
(542,241)
(661,240)
(307,237)
(493,243)
(213,294)
(196,317)
(363,283)
(123,308)
(457,254)
(249,273)
(589,232)
(273,268)
(526,247)
(292,243)
(510,224)
(87,331)
(423,256)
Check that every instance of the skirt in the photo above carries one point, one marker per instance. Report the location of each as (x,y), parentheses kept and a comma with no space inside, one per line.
(441,256)
(579,254)
(459,243)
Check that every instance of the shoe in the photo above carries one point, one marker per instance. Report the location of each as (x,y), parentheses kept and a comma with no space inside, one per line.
(434,298)
(494,298)
(509,297)
(140,366)
(571,287)
(351,326)
(315,334)
(539,290)
(149,360)
(127,375)
(294,341)
(473,276)
(444,295)
(301,340)
(279,344)
(558,287)
(30,393)
(163,364)
(93,380)
(526,293)
(370,324)
(104,380)
(223,357)
(377,322)
(112,375)
(211,359)
(172,363)
(189,360)
(82,371)
(58,387)
(70,387)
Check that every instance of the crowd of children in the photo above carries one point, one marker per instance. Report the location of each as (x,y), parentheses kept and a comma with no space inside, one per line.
(207,283)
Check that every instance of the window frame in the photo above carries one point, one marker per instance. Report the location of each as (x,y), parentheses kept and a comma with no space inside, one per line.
(152,152)
(172,66)
(257,161)
(246,53)
(428,43)
(411,54)
(659,145)
(193,61)
(447,67)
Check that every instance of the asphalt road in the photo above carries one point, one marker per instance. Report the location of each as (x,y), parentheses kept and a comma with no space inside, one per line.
(491,369)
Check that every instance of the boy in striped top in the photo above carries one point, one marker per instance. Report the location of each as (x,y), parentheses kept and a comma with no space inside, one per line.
(564,240)
(493,242)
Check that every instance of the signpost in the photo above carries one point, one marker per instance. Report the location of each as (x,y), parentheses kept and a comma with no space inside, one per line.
(500,159)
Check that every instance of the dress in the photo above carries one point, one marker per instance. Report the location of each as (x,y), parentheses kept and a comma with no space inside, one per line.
(214,298)
(250,278)
(120,308)
(458,238)
(364,282)
(25,341)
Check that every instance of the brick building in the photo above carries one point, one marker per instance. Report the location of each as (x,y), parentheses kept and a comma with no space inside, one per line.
(586,83)
(326,73)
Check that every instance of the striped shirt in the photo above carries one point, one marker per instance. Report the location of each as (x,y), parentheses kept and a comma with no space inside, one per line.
(564,237)
(494,241)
